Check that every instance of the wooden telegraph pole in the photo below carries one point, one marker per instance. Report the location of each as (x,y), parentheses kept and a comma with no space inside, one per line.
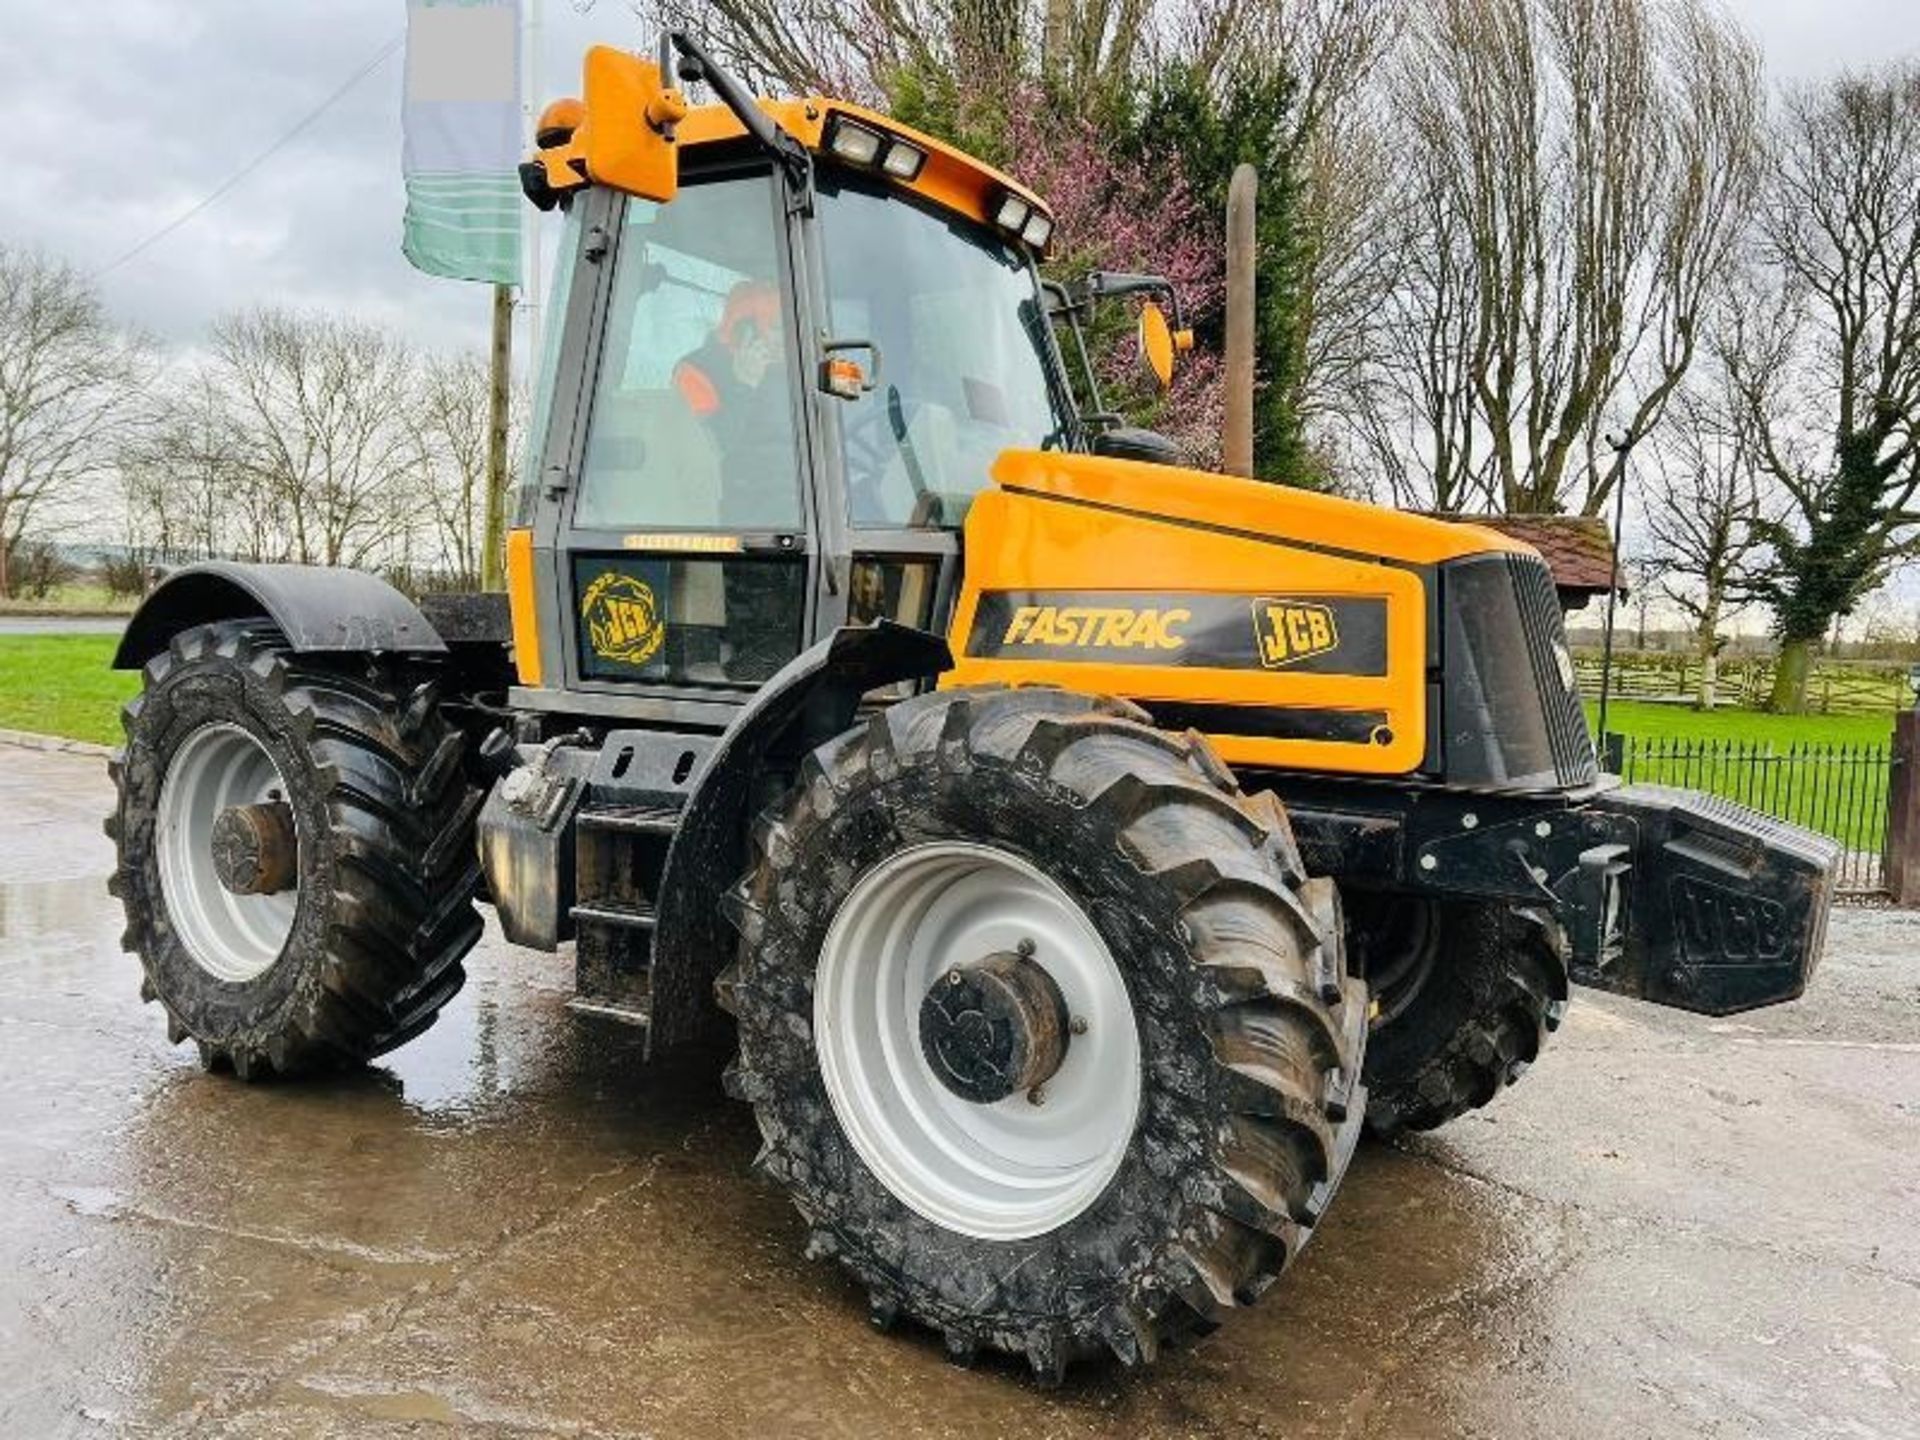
(1237,438)
(493,556)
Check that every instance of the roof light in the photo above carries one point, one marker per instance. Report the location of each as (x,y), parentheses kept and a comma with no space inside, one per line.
(854,143)
(903,161)
(1038,230)
(1012,213)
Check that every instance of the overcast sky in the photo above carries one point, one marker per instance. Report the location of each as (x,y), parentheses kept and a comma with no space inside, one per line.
(120,114)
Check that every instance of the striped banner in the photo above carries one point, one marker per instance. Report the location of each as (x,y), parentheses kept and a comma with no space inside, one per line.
(461,120)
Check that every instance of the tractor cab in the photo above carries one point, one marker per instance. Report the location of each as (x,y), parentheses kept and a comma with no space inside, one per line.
(769,396)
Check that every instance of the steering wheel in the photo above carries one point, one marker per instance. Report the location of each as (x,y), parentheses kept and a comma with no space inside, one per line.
(877,429)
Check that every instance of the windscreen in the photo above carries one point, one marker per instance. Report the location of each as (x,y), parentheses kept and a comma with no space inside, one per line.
(964,354)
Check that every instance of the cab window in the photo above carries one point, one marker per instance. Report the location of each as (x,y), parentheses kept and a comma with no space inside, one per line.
(692,423)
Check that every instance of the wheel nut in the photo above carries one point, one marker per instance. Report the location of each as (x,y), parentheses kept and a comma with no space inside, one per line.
(1025,947)
(1037,1095)
(1079,1025)
(954,977)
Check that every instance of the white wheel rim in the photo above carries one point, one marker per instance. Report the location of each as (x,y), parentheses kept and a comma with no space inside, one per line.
(232,937)
(1003,1171)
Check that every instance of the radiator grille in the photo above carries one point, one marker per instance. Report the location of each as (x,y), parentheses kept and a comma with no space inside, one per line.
(1567,734)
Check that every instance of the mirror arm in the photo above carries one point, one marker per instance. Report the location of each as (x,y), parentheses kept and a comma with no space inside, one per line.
(1112,284)
(793,158)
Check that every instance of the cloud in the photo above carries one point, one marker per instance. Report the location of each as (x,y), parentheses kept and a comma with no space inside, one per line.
(119,117)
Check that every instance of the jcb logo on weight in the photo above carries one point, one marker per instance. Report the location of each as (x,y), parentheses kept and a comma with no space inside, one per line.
(1290,630)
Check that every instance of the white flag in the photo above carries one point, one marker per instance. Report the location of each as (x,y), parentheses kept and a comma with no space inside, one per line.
(463,143)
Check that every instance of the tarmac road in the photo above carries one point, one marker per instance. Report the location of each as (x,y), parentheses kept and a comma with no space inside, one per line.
(1672,1227)
(62,624)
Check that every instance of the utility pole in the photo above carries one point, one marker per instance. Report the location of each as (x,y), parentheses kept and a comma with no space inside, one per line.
(493,555)
(1236,441)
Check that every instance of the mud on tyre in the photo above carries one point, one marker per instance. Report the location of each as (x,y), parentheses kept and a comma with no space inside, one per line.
(350,765)
(1247,1040)
(1465,993)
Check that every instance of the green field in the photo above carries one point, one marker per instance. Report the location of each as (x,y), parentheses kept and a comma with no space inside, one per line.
(60,685)
(1679,722)
(77,599)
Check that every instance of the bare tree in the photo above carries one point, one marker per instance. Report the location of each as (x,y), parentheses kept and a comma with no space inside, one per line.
(1828,373)
(65,379)
(867,49)
(186,491)
(318,409)
(1576,175)
(448,420)
(1703,517)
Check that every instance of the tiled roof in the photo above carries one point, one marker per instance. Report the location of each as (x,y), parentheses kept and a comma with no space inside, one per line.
(1577,548)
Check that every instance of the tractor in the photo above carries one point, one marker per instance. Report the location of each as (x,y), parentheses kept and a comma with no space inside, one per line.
(1080,850)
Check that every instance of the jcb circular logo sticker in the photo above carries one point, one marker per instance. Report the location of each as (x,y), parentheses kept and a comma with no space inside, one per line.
(623,619)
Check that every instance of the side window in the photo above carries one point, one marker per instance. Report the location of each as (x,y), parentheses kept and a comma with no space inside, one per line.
(527,486)
(692,419)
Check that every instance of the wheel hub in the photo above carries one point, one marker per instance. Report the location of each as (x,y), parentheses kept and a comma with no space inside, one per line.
(912,1060)
(993,1028)
(210,857)
(253,846)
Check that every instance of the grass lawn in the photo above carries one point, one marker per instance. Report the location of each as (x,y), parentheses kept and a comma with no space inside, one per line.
(1639,719)
(60,685)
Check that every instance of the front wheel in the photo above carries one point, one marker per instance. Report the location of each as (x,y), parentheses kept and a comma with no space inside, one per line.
(1466,993)
(1047,1034)
(296,851)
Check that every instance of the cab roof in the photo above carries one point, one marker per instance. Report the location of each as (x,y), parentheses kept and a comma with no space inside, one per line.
(949,177)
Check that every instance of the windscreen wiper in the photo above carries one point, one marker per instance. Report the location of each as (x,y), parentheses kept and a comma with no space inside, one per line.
(792,158)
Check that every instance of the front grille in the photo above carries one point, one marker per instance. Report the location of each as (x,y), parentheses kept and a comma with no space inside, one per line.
(1567,735)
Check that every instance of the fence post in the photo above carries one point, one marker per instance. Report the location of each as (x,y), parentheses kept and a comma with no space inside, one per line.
(1613,752)
(1903,812)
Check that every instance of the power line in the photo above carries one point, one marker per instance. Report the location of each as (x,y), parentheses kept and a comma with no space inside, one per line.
(287,137)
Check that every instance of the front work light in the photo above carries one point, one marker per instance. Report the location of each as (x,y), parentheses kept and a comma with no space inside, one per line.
(903,161)
(1037,231)
(1012,213)
(853,142)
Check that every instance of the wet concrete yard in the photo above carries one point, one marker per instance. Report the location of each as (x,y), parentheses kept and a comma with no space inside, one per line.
(1672,1227)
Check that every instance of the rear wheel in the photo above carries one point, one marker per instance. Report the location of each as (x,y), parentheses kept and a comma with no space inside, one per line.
(1048,1036)
(296,851)
(1465,995)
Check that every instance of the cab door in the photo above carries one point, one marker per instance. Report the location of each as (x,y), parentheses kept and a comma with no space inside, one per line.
(684,559)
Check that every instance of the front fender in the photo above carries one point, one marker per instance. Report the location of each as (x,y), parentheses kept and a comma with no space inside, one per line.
(317,607)
(812,699)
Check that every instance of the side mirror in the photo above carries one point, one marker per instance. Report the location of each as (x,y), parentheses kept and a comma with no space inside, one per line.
(626,139)
(844,378)
(1160,342)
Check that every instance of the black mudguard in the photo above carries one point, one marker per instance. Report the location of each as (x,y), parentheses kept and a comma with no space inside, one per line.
(815,697)
(1724,909)
(317,607)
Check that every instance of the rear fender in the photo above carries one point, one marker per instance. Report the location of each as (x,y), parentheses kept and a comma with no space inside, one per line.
(812,699)
(318,608)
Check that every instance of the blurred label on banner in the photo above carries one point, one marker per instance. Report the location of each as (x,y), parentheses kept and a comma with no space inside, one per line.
(461,120)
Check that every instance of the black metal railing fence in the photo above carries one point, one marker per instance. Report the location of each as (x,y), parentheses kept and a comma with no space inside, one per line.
(1836,789)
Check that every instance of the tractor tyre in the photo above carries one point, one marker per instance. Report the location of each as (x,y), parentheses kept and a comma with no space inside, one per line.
(296,851)
(1465,996)
(1049,1037)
